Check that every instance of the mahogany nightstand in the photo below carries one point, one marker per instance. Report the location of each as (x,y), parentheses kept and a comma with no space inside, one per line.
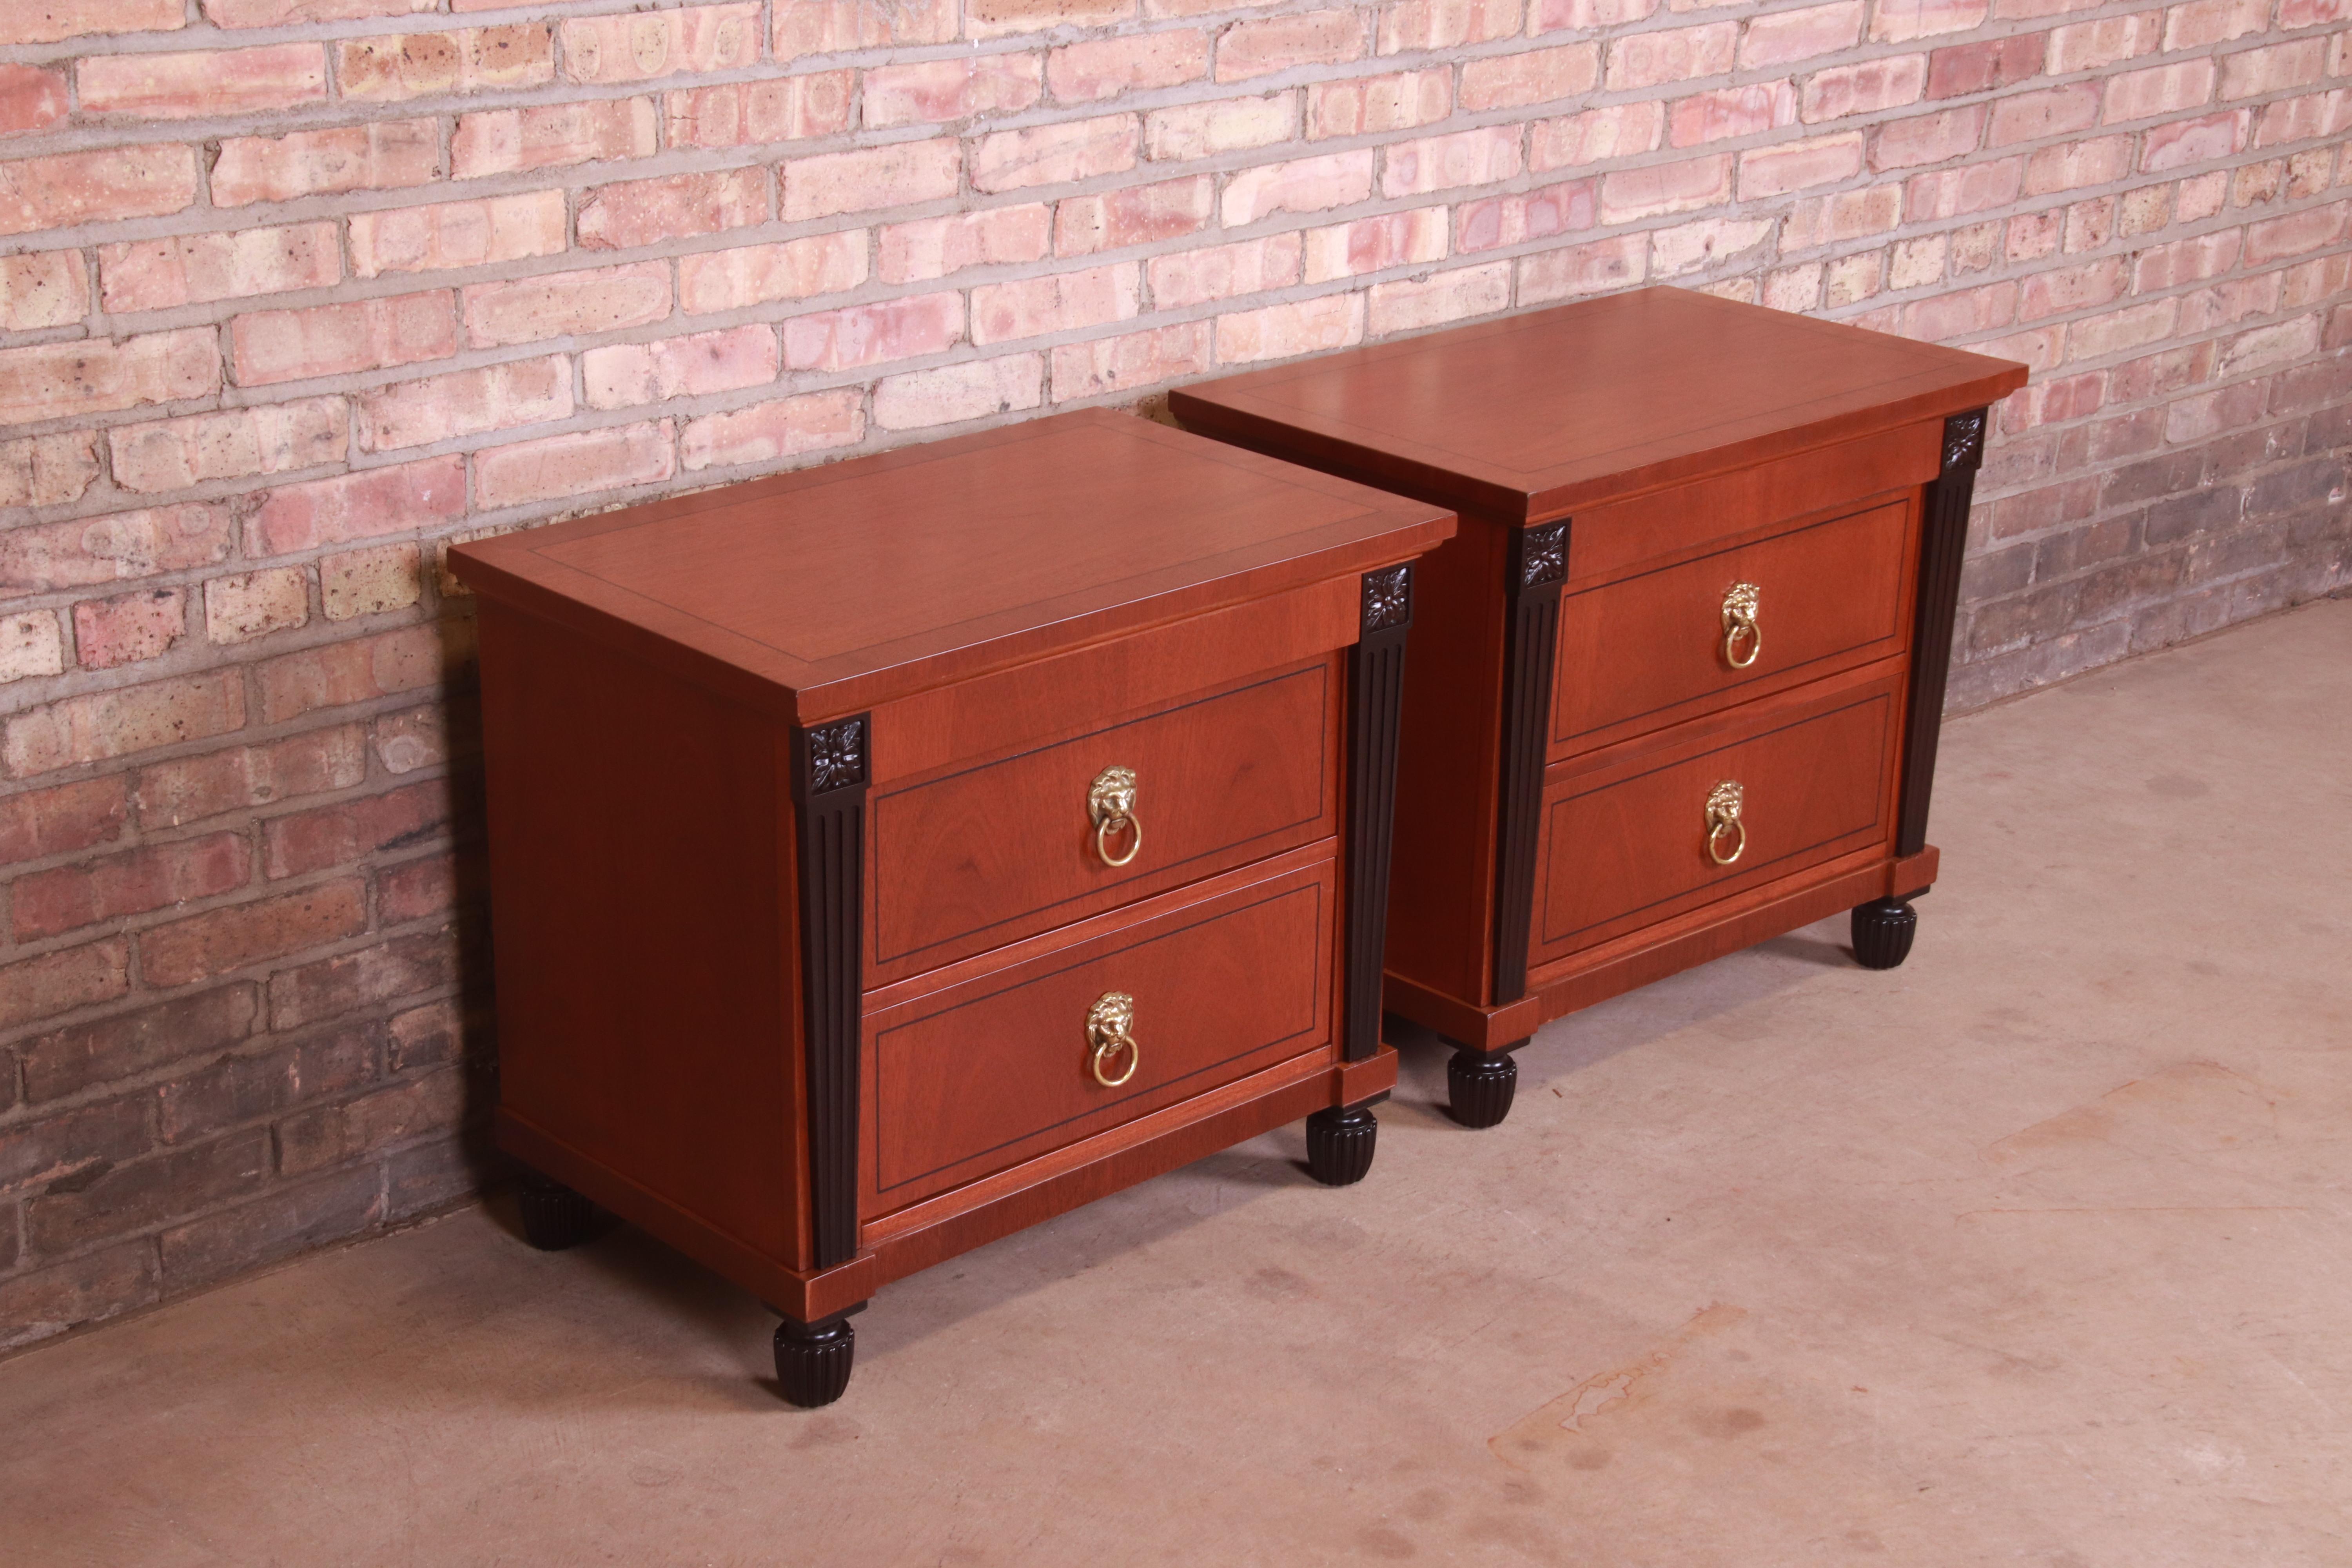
(1677,682)
(889,856)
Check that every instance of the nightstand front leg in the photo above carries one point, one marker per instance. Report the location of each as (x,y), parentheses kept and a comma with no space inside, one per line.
(1339,1144)
(1482,1083)
(1883,929)
(812,1360)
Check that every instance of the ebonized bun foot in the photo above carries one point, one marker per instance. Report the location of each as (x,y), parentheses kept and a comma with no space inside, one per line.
(553,1215)
(1481,1087)
(1339,1145)
(1883,929)
(813,1364)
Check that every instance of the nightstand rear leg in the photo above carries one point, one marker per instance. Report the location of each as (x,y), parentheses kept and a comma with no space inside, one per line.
(553,1215)
(1482,1083)
(812,1360)
(1340,1143)
(1883,929)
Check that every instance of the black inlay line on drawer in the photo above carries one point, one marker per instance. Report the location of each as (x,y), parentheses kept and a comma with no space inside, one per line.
(1320,673)
(1315,976)
(1876,823)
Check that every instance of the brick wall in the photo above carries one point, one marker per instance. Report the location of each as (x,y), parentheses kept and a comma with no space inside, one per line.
(292,292)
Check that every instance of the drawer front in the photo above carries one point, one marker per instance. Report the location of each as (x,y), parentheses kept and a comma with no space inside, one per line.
(982,1072)
(1647,651)
(972,858)
(1628,844)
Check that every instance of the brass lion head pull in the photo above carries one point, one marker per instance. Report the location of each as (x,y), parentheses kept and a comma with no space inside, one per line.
(1723,804)
(1110,1030)
(1110,802)
(1740,625)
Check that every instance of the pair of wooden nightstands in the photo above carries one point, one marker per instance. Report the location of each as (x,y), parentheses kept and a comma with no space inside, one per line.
(890,856)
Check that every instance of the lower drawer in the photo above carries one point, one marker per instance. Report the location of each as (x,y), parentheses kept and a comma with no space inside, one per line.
(986,1064)
(1795,781)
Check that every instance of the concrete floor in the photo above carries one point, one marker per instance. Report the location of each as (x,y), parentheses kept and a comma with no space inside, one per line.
(2033,1251)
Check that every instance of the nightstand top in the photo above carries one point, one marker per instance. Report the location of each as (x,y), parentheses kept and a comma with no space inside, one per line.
(839,587)
(1532,416)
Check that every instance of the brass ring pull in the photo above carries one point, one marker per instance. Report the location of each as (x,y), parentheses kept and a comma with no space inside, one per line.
(1738,622)
(1110,802)
(1722,804)
(1110,1029)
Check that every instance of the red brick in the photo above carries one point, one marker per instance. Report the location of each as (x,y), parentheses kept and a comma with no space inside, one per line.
(386,155)
(895,175)
(1728,112)
(1279,332)
(418,738)
(2107,41)
(1896,20)
(2308,117)
(2055,290)
(675,206)
(953,393)
(1532,215)
(285,13)
(40,1302)
(622,374)
(141,1193)
(67,1061)
(128,627)
(356,671)
(1783,37)
(2163,89)
(1619,131)
(560,304)
(220,940)
(1374,244)
(458,233)
(1677,55)
(207,82)
(245,606)
(48,21)
(1051,154)
(1302,185)
(1550,16)
(768,432)
(1529,76)
(331,1135)
(937,91)
(95,375)
(334,340)
(428,1036)
(47,289)
(414,412)
(364,505)
(736,114)
(417,889)
(2297,232)
(1257,48)
(133,883)
(89,550)
(402,966)
(2204,22)
(936,246)
(1409,304)
(1220,271)
(358,582)
(38,824)
(1926,138)
(54,983)
(1962,69)
(2078,165)
(1409,25)
(821,26)
(2136,326)
(433,65)
(641,45)
(1686,247)
(576,464)
(44,470)
(2279,69)
(2309,14)
(155,275)
(1138,214)
(1097,68)
(1107,365)
(192,788)
(1031,307)
(759,274)
(97,725)
(270,439)
(350,830)
(31,99)
(1961,313)
(1002,18)
(552,135)
(1630,194)
(245,1087)
(2180,142)
(288,1218)
(870,334)
(105,186)
(31,646)
(1227,125)
(2033,116)
(1362,104)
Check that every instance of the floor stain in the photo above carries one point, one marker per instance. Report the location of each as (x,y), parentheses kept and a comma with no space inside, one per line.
(1563,1424)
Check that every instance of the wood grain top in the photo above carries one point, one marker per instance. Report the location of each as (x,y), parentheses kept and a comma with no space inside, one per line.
(1535,414)
(832,589)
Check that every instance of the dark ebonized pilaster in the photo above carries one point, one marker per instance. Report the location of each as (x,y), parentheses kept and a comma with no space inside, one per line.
(1537,566)
(1375,704)
(829,779)
(1943,543)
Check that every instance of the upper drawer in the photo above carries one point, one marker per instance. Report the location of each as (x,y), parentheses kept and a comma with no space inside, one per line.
(1624,840)
(971,859)
(1647,651)
(995,1063)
